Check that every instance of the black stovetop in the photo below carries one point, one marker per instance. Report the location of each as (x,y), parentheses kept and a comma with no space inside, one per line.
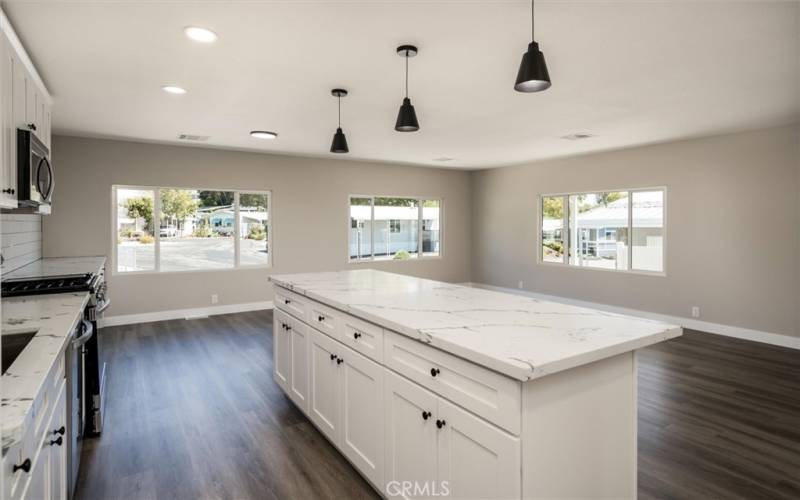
(49,284)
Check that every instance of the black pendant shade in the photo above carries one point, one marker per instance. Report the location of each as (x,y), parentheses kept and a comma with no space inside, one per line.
(407,118)
(339,144)
(532,75)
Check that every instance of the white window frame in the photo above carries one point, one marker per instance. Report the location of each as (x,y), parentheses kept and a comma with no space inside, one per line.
(156,190)
(565,233)
(420,255)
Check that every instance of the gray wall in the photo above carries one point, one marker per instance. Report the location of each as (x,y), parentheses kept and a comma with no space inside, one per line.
(733,228)
(309,212)
(21,239)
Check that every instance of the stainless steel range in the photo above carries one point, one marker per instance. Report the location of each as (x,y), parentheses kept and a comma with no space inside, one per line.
(85,376)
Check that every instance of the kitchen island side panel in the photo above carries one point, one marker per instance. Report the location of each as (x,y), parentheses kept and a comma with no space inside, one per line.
(579,432)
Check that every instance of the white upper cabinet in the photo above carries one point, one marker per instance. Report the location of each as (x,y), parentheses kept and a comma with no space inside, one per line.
(24,103)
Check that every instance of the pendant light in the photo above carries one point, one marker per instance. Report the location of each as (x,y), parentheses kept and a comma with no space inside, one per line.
(339,144)
(532,75)
(406,117)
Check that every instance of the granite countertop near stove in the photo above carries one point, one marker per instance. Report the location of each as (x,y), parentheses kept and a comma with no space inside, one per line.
(521,337)
(57,266)
(54,318)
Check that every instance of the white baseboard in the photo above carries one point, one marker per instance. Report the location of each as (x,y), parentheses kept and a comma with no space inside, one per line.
(690,323)
(199,312)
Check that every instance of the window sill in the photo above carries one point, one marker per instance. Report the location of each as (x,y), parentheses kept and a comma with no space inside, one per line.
(188,271)
(659,274)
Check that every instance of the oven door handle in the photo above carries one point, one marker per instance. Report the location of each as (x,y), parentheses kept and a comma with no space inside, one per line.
(87,334)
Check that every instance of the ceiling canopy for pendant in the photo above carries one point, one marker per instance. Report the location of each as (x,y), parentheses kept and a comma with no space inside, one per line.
(532,75)
(407,117)
(339,144)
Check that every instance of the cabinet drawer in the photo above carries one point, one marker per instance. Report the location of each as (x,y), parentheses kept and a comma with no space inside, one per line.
(362,337)
(488,394)
(324,318)
(294,304)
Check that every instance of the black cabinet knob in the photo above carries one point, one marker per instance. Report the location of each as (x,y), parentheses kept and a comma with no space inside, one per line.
(287,302)
(60,430)
(434,372)
(333,356)
(57,441)
(320,318)
(339,361)
(9,190)
(440,423)
(32,126)
(26,466)
(356,335)
(426,415)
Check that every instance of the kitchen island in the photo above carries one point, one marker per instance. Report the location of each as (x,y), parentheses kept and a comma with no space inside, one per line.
(435,387)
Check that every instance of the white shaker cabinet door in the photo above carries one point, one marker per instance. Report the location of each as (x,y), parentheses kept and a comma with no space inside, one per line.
(477,459)
(324,404)
(362,414)
(410,428)
(8,169)
(58,452)
(281,350)
(298,380)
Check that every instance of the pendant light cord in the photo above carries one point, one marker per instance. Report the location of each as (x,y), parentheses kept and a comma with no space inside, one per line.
(406,73)
(532,37)
(339,99)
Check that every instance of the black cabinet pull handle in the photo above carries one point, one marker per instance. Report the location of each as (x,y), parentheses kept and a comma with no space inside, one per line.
(287,301)
(320,318)
(9,190)
(434,372)
(356,335)
(426,415)
(288,327)
(57,441)
(60,430)
(339,361)
(26,466)
(32,126)
(440,423)
(333,356)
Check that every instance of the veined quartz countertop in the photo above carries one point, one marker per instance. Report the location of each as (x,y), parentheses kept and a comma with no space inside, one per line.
(57,266)
(518,336)
(54,318)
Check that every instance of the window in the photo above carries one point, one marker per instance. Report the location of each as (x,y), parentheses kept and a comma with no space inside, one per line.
(399,228)
(197,229)
(614,230)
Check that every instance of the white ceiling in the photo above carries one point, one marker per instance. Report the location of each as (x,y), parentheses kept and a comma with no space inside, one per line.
(629,72)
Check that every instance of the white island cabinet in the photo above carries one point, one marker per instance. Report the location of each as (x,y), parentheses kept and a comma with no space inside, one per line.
(439,390)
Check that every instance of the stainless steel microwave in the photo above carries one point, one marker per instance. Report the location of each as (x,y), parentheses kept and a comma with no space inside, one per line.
(34,172)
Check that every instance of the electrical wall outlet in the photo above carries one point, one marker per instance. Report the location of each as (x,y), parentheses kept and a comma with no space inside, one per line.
(520,285)
(695,312)
(214,298)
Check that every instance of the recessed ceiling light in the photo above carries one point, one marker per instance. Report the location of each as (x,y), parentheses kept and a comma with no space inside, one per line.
(577,137)
(173,89)
(201,35)
(263,134)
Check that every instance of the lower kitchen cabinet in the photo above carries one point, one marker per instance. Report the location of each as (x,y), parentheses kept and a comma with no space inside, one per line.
(323,406)
(476,459)
(362,414)
(298,377)
(281,349)
(411,446)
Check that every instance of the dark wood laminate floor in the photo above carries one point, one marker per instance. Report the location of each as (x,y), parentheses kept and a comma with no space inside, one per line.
(192,412)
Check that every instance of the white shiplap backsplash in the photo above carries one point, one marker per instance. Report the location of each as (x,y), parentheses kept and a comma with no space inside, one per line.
(21,240)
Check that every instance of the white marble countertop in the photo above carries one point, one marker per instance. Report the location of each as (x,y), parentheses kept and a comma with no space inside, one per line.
(518,336)
(57,266)
(54,318)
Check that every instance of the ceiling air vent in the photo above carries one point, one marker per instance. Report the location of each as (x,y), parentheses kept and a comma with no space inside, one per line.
(577,137)
(191,137)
